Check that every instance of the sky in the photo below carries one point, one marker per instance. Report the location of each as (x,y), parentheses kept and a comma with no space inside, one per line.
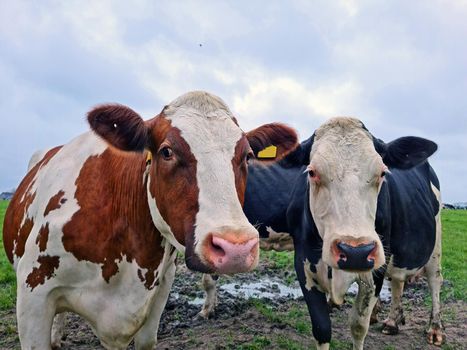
(399,66)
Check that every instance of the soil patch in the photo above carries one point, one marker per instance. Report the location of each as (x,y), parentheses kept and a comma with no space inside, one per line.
(275,321)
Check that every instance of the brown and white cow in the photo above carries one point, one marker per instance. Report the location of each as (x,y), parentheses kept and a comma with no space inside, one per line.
(94,226)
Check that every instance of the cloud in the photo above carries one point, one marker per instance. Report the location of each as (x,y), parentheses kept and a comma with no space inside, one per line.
(401,69)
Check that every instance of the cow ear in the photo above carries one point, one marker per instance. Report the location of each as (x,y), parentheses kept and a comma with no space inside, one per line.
(407,152)
(271,142)
(301,155)
(120,126)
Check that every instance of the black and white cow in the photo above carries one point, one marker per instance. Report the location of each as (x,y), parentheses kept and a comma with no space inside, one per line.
(346,198)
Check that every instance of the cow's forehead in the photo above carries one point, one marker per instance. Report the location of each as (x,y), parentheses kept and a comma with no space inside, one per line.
(343,141)
(343,127)
(205,122)
(199,102)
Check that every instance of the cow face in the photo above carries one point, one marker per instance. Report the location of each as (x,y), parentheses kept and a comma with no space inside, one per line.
(196,175)
(346,170)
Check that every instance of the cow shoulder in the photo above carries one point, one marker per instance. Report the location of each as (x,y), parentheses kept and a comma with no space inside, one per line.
(113,222)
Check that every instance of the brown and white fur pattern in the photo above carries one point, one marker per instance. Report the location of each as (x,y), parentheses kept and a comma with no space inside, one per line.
(93,228)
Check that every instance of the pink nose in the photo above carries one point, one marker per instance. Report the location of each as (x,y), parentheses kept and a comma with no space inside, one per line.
(232,253)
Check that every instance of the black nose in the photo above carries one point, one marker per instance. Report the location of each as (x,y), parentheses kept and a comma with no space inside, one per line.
(355,258)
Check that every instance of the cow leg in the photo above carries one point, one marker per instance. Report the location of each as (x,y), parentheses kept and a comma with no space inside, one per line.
(316,303)
(146,338)
(35,314)
(58,329)
(361,310)
(435,280)
(375,312)
(209,286)
(378,279)
(396,313)
(319,313)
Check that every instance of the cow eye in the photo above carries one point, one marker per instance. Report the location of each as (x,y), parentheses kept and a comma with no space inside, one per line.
(166,152)
(383,174)
(249,156)
(311,173)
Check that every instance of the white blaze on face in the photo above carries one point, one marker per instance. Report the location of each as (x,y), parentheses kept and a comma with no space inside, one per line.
(207,126)
(344,193)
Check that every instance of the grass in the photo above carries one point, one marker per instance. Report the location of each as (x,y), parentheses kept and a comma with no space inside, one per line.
(454,257)
(289,344)
(258,343)
(340,345)
(296,317)
(283,261)
(454,261)
(279,260)
(7,275)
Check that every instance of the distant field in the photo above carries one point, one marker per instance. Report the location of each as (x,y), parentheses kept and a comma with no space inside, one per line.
(454,259)
(7,275)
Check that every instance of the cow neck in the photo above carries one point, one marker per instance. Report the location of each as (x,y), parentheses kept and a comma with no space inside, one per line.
(311,230)
(114,222)
(268,193)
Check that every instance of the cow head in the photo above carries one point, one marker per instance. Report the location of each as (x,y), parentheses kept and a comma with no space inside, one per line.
(197,169)
(346,168)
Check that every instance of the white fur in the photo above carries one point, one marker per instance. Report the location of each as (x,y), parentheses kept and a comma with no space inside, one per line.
(207,126)
(210,302)
(321,276)
(340,284)
(36,158)
(344,204)
(78,286)
(361,310)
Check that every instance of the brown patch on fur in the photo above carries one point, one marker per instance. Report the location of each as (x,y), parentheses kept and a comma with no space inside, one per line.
(54,202)
(173,182)
(43,237)
(282,136)
(47,157)
(47,266)
(23,235)
(114,221)
(240,167)
(13,231)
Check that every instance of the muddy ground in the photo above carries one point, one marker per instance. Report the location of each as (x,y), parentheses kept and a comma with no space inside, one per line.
(275,318)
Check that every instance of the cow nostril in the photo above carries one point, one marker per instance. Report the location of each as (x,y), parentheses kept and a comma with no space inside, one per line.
(372,256)
(217,249)
(342,257)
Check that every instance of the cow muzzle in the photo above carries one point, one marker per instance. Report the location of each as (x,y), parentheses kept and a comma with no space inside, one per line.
(355,257)
(232,252)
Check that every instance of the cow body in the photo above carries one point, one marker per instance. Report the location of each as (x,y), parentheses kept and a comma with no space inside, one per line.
(405,217)
(78,251)
(409,226)
(94,228)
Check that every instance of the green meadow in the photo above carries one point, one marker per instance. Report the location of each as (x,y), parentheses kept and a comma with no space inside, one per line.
(454,259)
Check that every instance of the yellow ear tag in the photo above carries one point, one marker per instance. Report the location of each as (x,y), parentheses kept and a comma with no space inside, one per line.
(268,152)
(149,158)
